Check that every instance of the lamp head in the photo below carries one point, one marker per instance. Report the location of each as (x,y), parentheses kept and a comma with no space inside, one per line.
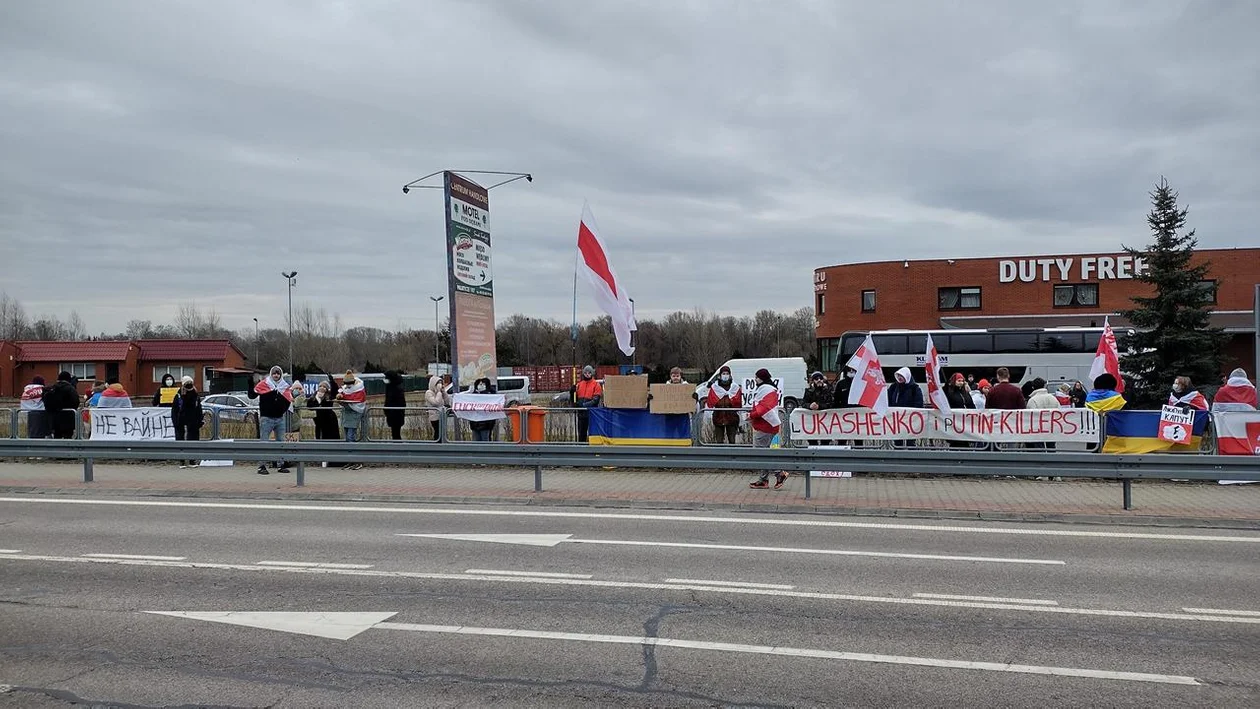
(406,189)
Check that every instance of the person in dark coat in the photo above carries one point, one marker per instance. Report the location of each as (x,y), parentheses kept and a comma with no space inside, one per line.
(395,404)
(483,430)
(1079,394)
(60,402)
(186,414)
(957,394)
(904,393)
(818,396)
(323,403)
(844,384)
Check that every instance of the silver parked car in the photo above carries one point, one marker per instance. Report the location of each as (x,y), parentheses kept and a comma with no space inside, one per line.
(232,407)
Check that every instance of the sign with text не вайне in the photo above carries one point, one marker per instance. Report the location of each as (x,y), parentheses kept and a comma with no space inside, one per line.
(471,279)
(146,424)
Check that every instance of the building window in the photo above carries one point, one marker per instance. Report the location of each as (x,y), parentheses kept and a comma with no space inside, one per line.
(79,370)
(868,301)
(822,304)
(177,372)
(1083,295)
(1209,287)
(967,298)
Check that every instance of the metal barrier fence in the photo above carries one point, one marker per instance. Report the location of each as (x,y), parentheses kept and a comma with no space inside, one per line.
(1124,468)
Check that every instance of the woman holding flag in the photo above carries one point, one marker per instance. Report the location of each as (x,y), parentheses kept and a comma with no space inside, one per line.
(353,400)
(275,397)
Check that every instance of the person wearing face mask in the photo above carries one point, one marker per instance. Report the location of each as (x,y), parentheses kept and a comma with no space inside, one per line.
(275,398)
(165,395)
(844,384)
(483,431)
(1185,396)
(322,403)
(186,414)
(587,394)
(724,393)
(819,395)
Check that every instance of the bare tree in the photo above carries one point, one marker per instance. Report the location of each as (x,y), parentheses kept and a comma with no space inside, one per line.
(13,323)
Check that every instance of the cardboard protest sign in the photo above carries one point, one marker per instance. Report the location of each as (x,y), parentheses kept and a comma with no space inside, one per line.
(626,392)
(1176,425)
(673,399)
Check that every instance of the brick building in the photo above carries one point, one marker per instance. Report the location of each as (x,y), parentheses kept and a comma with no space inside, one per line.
(1026,291)
(138,365)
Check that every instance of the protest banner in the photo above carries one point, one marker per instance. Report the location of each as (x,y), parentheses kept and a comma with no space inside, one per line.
(673,399)
(993,426)
(1237,432)
(478,407)
(146,424)
(1176,424)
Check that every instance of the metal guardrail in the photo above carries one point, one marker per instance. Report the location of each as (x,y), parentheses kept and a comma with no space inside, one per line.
(1124,468)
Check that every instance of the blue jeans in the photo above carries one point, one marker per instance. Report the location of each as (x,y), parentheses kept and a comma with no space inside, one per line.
(483,435)
(352,435)
(268,426)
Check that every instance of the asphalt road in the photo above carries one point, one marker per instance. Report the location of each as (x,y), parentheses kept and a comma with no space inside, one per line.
(683,610)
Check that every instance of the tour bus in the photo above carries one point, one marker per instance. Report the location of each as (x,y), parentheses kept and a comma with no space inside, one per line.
(1057,355)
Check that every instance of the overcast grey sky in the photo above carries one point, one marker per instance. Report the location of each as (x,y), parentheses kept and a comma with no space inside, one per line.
(153,153)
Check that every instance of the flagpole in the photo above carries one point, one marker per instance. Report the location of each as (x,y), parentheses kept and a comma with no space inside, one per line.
(573,329)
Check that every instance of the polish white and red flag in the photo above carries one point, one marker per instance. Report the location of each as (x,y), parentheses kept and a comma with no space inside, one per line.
(1107,357)
(932,365)
(594,267)
(869,388)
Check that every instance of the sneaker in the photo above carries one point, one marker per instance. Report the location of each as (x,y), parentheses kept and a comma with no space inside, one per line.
(779,479)
(262,470)
(284,471)
(759,484)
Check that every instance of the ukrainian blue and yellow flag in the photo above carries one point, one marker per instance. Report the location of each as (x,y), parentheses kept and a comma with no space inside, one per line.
(634,427)
(1138,432)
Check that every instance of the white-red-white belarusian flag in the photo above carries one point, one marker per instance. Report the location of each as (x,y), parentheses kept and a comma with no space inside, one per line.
(932,365)
(1107,357)
(595,268)
(869,388)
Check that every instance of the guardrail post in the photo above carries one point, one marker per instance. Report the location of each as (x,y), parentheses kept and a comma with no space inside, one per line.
(87,470)
(1128,493)
(13,423)
(808,477)
(301,474)
(538,478)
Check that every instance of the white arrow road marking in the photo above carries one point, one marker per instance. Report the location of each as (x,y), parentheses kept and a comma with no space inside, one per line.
(343,626)
(338,626)
(1021,531)
(642,585)
(551,540)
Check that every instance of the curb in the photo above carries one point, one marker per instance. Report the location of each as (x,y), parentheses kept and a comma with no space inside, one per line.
(615,503)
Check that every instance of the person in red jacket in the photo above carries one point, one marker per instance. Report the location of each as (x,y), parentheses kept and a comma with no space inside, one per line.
(765,422)
(725,394)
(1005,395)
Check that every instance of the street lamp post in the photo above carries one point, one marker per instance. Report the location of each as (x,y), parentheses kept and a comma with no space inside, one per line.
(292,279)
(437,339)
(256,339)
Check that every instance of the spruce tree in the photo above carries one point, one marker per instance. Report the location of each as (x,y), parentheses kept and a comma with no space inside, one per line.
(1173,336)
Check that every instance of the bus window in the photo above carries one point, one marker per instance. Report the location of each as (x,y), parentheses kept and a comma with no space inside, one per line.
(891,344)
(918,344)
(968,344)
(1068,342)
(1093,338)
(849,345)
(1015,342)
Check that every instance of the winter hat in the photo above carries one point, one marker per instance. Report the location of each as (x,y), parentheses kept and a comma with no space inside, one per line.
(958,377)
(349,377)
(186,380)
(1238,373)
(65,377)
(724,370)
(38,380)
(1105,381)
(588,370)
(763,375)
(817,375)
(983,383)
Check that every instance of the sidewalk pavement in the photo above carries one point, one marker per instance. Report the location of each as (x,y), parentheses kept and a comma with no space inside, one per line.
(1158,503)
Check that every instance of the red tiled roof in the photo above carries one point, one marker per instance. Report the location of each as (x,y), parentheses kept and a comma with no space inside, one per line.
(184,350)
(93,351)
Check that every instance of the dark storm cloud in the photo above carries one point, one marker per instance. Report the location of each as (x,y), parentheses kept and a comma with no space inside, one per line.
(201,148)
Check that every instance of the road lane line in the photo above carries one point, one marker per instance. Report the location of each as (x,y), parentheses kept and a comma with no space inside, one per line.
(1218,611)
(738,584)
(10,551)
(834,552)
(988,599)
(146,557)
(794,652)
(647,585)
(539,574)
(1041,532)
(315,565)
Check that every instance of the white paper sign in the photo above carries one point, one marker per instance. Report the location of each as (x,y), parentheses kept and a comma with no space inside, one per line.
(478,407)
(147,424)
(1015,426)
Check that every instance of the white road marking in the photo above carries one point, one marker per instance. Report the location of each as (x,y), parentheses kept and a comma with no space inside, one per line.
(540,574)
(793,652)
(338,626)
(1041,532)
(315,565)
(551,540)
(10,551)
(644,585)
(148,557)
(738,584)
(1218,611)
(1021,601)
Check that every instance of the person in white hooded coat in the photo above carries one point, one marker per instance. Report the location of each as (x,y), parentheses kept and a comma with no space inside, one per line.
(903,392)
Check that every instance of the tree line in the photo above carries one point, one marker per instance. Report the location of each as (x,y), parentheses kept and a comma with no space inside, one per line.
(694,339)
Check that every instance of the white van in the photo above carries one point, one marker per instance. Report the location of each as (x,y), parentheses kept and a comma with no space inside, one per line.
(515,390)
(789,375)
